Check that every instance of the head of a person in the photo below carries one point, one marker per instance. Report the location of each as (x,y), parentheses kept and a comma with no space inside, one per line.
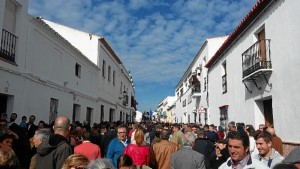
(250,130)
(263,141)
(261,127)
(211,127)
(195,128)
(201,133)
(164,135)
(102,163)
(125,162)
(86,136)
(221,143)
(31,119)
(188,139)
(231,126)
(206,127)
(62,126)
(8,158)
(176,127)
(122,132)
(6,140)
(238,145)
(41,124)
(220,128)
(3,124)
(3,116)
(24,118)
(75,161)
(139,136)
(39,136)
(13,117)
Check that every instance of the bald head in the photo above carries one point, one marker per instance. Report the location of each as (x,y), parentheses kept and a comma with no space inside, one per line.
(62,125)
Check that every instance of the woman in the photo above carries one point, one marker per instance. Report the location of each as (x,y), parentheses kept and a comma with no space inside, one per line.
(125,162)
(139,152)
(75,161)
(251,133)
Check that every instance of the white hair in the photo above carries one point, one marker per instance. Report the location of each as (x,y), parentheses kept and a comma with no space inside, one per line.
(102,163)
(188,138)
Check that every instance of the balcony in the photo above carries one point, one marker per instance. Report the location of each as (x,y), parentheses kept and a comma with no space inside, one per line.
(196,90)
(8,46)
(256,62)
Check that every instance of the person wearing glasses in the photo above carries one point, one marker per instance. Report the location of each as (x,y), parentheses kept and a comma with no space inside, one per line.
(117,145)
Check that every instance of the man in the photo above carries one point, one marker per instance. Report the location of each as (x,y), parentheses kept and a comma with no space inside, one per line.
(88,149)
(31,127)
(268,155)
(261,127)
(177,135)
(39,136)
(161,151)
(206,147)
(276,141)
(238,147)
(186,157)
(117,145)
(211,134)
(52,153)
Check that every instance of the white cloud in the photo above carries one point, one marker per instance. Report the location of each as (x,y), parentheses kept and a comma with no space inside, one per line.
(156,40)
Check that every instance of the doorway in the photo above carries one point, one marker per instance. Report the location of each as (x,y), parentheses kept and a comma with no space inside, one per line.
(3,103)
(268,112)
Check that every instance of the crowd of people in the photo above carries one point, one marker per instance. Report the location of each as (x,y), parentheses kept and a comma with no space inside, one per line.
(146,145)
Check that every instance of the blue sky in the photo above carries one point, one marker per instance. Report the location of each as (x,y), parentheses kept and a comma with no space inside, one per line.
(155,39)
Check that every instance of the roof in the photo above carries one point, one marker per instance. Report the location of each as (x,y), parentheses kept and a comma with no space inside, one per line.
(257,9)
(111,51)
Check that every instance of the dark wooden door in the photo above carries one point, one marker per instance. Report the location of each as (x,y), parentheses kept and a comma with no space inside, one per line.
(268,112)
(262,48)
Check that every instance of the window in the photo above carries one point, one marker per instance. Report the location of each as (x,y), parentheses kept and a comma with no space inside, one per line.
(108,76)
(53,109)
(224,77)
(114,77)
(121,92)
(76,112)
(102,114)
(103,68)
(89,114)
(205,83)
(78,70)
(190,98)
(184,103)
(224,117)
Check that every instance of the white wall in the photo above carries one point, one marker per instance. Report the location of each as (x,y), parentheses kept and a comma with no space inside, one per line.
(282,27)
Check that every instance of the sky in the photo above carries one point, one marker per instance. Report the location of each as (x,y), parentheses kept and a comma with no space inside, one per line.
(156,40)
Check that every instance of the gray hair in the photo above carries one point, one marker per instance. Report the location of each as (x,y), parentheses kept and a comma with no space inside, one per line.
(102,163)
(43,134)
(188,138)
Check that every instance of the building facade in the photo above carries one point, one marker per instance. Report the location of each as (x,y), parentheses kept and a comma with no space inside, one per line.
(253,77)
(48,69)
(191,91)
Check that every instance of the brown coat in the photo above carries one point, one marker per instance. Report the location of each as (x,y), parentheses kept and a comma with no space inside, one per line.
(277,144)
(161,152)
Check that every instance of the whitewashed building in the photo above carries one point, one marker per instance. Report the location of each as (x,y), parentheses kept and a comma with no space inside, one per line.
(191,91)
(164,111)
(47,69)
(254,76)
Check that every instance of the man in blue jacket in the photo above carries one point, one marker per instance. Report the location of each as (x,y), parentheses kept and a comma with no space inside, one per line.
(117,145)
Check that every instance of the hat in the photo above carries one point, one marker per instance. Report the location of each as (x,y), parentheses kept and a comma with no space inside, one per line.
(293,156)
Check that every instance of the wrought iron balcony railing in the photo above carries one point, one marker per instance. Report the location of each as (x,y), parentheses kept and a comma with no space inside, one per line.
(257,57)
(196,88)
(8,45)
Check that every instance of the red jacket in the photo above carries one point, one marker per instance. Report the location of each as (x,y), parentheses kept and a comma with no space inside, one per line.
(139,154)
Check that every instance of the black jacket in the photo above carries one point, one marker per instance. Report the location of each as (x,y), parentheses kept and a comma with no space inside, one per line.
(52,153)
(207,148)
